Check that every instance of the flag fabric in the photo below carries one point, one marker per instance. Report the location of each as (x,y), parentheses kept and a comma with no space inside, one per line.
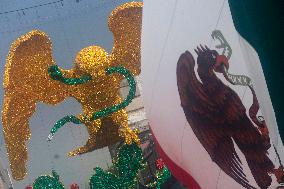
(206,97)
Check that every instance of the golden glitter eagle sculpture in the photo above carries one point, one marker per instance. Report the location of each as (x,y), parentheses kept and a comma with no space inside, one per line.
(27,81)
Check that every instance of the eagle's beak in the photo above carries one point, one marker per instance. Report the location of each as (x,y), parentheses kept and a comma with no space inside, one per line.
(221,60)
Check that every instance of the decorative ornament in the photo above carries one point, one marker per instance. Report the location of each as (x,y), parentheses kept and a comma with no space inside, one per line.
(29,187)
(160,164)
(74,186)
(27,81)
(48,182)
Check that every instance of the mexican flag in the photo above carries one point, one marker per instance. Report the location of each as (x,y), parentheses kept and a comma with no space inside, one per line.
(212,90)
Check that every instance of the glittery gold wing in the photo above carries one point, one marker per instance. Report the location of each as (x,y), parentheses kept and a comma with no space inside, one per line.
(26,81)
(125,22)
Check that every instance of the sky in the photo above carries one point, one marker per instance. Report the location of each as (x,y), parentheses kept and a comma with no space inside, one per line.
(71,25)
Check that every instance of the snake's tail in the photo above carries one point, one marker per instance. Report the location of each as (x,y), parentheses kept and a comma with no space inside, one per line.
(62,122)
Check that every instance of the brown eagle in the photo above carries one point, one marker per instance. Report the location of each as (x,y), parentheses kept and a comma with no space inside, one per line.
(218,117)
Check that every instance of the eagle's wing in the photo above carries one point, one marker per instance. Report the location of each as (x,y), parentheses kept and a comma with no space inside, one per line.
(196,105)
(190,88)
(26,81)
(125,22)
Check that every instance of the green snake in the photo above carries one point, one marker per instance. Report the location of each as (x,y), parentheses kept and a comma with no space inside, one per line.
(56,74)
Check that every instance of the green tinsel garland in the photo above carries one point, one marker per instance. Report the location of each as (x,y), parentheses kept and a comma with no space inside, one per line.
(124,174)
(48,182)
(125,171)
(161,177)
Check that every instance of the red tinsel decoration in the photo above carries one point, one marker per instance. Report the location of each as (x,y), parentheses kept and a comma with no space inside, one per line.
(74,186)
(160,164)
(29,187)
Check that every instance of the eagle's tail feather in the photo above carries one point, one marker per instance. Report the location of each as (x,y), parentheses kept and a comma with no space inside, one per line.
(253,146)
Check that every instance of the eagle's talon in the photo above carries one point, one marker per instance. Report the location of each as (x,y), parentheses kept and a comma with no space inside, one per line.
(79,151)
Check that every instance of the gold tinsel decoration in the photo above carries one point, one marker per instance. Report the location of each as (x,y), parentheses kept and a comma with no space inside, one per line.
(26,82)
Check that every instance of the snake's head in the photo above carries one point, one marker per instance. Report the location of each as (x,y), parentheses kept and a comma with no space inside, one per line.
(92,60)
(224,45)
(221,62)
